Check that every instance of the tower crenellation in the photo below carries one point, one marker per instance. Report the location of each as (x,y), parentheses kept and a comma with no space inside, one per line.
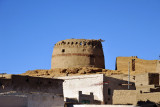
(83,43)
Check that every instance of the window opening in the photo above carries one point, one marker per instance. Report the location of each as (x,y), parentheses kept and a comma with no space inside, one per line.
(133,64)
(72,43)
(63,50)
(109,91)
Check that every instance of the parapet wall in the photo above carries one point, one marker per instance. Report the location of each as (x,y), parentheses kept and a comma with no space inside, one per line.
(78,53)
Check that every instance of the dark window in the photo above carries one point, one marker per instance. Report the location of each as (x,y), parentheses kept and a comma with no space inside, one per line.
(109,91)
(64,42)
(63,50)
(72,43)
(133,64)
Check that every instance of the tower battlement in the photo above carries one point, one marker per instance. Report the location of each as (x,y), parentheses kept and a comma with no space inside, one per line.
(79,42)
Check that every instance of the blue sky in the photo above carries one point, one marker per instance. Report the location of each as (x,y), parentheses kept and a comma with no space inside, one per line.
(30,28)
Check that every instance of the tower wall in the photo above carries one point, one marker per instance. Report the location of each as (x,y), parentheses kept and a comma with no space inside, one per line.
(78,53)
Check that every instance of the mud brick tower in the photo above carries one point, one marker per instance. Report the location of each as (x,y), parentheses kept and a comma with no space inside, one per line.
(78,53)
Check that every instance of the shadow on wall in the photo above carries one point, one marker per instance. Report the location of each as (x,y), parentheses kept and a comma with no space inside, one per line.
(147,104)
(82,99)
(31,84)
(111,84)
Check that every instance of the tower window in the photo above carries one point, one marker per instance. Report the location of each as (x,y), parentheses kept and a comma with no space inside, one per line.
(63,50)
(72,43)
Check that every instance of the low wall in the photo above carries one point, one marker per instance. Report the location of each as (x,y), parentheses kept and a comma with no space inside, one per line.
(133,97)
(31,100)
(153,97)
(104,106)
(124,97)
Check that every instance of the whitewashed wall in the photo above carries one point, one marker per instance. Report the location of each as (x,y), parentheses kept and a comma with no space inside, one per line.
(85,83)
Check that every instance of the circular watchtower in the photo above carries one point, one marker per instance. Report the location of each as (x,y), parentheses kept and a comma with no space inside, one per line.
(78,53)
